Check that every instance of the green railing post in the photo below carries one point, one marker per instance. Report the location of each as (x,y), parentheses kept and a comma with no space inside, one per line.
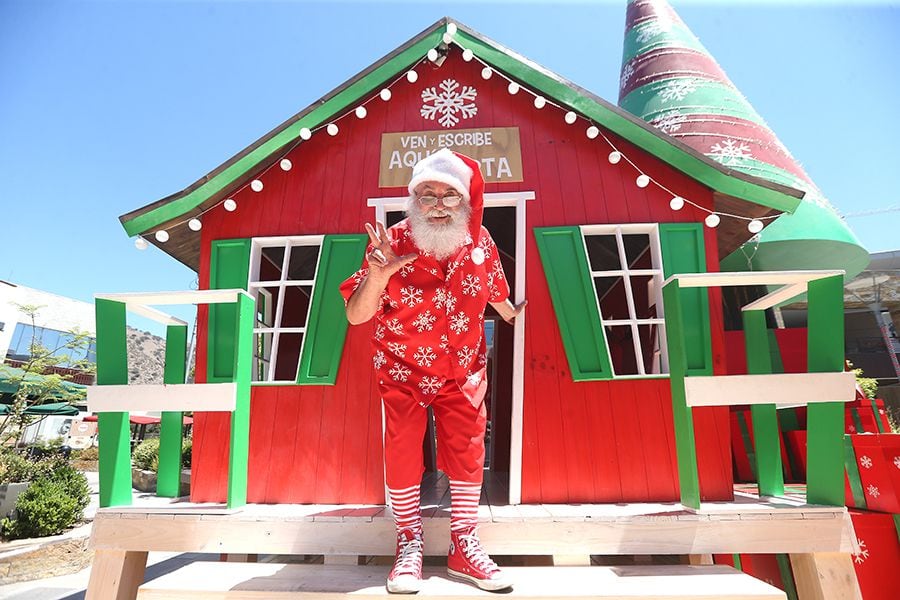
(168,482)
(114,432)
(766,435)
(825,448)
(240,418)
(688,478)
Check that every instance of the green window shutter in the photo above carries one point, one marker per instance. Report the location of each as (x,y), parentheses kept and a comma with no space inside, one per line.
(326,329)
(574,301)
(229,268)
(683,251)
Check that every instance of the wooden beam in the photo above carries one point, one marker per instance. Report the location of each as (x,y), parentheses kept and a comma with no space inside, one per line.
(825,576)
(197,397)
(788,389)
(777,297)
(726,279)
(224,296)
(116,575)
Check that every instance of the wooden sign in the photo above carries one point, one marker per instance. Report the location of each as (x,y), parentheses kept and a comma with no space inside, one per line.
(496,148)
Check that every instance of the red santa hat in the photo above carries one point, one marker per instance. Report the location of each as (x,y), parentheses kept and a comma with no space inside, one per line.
(460,172)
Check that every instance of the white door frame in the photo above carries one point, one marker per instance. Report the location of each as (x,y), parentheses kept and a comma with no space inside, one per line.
(495,199)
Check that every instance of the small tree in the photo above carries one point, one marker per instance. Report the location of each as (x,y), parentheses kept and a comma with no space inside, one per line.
(34,381)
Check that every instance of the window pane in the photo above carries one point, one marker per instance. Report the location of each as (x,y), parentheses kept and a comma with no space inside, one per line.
(303,263)
(266,305)
(262,352)
(270,266)
(651,348)
(296,305)
(637,251)
(603,253)
(644,293)
(621,349)
(611,295)
(288,358)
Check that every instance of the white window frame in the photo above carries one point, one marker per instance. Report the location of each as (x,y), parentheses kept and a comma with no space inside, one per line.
(254,286)
(655,294)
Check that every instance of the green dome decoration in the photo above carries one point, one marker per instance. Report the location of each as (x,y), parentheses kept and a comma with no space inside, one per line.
(671,81)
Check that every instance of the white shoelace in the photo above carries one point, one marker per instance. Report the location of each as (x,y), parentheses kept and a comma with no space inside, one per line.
(410,557)
(476,554)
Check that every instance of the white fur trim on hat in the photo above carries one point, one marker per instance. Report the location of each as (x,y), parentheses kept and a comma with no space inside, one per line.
(445,167)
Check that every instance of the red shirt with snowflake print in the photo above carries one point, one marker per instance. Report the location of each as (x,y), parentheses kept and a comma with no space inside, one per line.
(430,324)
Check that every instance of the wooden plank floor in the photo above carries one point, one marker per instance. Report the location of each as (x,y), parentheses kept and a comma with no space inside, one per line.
(256,581)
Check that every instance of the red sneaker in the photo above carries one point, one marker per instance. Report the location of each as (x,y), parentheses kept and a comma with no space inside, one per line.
(468,561)
(406,576)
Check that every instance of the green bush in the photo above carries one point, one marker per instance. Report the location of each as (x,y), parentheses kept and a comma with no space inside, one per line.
(186,447)
(92,453)
(15,468)
(146,455)
(52,503)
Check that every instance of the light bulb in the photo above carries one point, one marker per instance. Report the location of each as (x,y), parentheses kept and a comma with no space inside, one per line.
(592,132)
(451,28)
(332,129)
(305,133)
(486,73)
(432,55)
(539,102)
(755,226)
(285,164)
(361,112)
(162,236)
(447,37)
(195,225)
(513,88)
(140,243)
(412,76)
(676,203)
(385,94)
(468,55)
(229,205)
(642,181)
(712,220)
(614,157)
(570,117)
(256,185)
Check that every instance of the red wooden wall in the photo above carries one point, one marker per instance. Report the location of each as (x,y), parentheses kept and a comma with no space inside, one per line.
(599,441)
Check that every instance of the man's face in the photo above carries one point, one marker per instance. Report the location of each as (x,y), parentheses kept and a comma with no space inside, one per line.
(439,213)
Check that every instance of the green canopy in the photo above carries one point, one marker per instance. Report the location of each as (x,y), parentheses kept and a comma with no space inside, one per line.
(54,408)
(8,386)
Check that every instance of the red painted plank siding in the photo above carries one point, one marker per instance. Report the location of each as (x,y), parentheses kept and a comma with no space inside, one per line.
(595,441)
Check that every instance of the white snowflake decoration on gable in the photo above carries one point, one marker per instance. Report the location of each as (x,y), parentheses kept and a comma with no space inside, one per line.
(448,102)
(861,556)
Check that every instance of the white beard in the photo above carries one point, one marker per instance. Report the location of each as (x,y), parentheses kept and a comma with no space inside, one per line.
(442,240)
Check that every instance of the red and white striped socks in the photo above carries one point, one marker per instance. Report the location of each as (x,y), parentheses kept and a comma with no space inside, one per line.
(406,507)
(463,505)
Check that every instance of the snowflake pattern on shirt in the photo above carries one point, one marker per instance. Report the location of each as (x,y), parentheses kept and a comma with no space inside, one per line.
(459,323)
(425,321)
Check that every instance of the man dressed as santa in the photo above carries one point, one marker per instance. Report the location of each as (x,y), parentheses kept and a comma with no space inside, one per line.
(427,281)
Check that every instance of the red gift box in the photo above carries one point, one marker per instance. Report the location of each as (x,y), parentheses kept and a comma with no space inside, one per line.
(878,562)
(874,472)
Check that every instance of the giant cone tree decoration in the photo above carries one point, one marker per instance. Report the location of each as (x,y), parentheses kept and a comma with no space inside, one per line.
(670,80)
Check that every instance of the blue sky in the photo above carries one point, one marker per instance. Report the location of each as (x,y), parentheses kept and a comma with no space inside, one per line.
(108,106)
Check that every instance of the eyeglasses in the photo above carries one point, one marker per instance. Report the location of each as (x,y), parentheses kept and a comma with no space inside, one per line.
(451,200)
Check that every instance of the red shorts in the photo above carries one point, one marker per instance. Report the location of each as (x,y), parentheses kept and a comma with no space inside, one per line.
(460,435)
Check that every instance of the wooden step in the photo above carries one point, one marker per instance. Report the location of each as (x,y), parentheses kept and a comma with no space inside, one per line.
(256,581)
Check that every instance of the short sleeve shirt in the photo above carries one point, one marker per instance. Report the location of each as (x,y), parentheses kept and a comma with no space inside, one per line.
(430,323)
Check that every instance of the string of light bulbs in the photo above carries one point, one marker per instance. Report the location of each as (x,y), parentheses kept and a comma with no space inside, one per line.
(642,180)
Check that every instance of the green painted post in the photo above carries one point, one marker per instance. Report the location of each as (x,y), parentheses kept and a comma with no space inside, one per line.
(240,418)
(113,429)
(852,469)
(825,450)
(766,435)
(878,424)
(686,449)
(168,482)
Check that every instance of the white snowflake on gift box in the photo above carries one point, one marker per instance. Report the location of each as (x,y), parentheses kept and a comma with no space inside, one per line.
(471,285)
(448,102)
(399,373)
(425,321)
(395,326)
(865,461)
(669,122)
(863,554)
(430,385)
(459,323)
(730,152)
(897,461)
(405,270)
(851,429)
(873,491)
(465,355)
(398,349)
(424,356)
(411,296)
(379,331)
(378,359)
(676,89)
